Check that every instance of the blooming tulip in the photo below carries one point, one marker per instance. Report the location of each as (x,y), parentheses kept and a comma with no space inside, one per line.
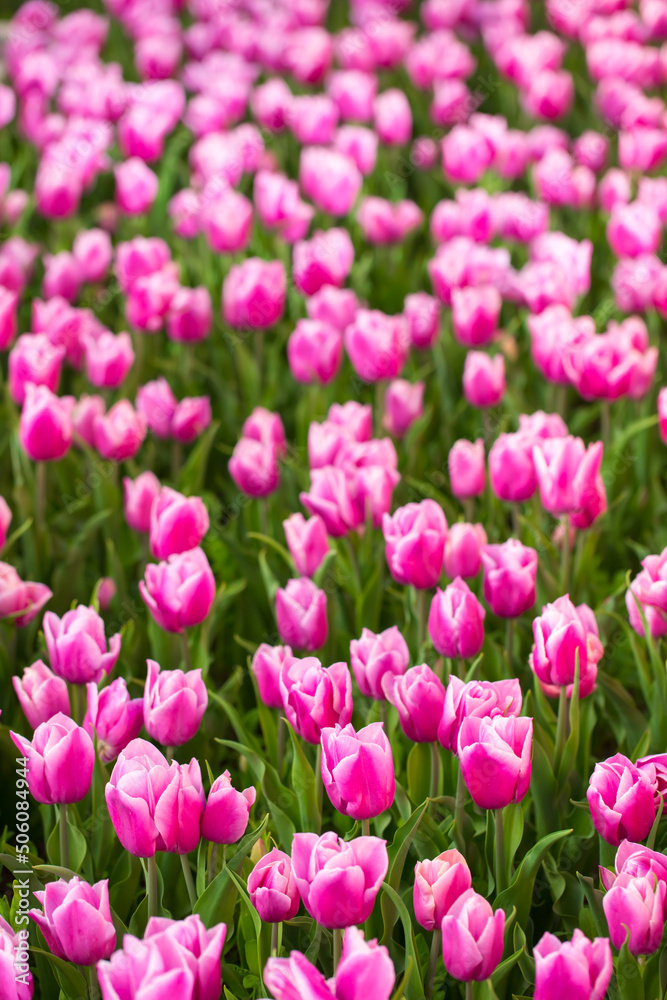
(579,969)
(314,696)
(338,880)
(377,344)
(157,404)
(472,938)
(403,404)
(76,920)
(178,523)
(314,351)
(120,432)
(45,425)
(41,694)
(22,601)
(60,760)
(136,186)
(325,259)
(483,379)
(113,717)
(634,908)
(494,754)
(438,884)
(301,614)
(179,592)
(456,621)
(331,180)
(254,467)
(226,814)
(191,417)
(34,359)
(510,570)
(190,315)
(139,495)
(512,467)
(330,497)
(266,665)
(621,800)
(272,888)
(93,253)
(415,538)
(476,699)
(358,770)
(463,549)
(174,704)
(565,635)
(307,542)
(418,696)
(253,293)
(466,466)
(77,645)
(475,314)
(422,312)
(392,117)
(15,975)
(375,656)
(333,306)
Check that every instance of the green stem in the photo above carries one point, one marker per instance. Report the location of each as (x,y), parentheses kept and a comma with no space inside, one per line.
(433,963)
(365,828)
(186,650)
(93,984)
(561,728)
(264,517)
(282,733)
(354,564)
(213,863)
(460,811)
(319,786)
(380,387)
(605,423)
(435,770)
(40,497)
(176,460)
(64,836)
(151,885)
(469,991)
(469,509)
(337,947)
(501,881)
(383,715)
(509,644)
(565,556)
(422,618)
(276,935)
(169,754)
(189,881)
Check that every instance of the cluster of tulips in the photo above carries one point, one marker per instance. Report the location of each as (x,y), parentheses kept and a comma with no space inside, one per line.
(332,336)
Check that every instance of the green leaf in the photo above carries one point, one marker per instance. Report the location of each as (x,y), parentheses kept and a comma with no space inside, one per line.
(77,847)
(513,831)
(629,977)
(211,903)
(414,989)
(544,790)
(273,544)
(71,981)
(419,772)
(520,892)
(594,899)
(304,785)
(257,923)
(571,748)
(271,584)
(398,852)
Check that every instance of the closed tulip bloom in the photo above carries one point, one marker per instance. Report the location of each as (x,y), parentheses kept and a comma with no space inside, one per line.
(510,571)
(315,697)
(422,312)
(331,498)
(418,696)
(635,860)
(15,975)
(354,92)
(45,425)
(620,797)
(266,665)
(512,467)
(377,344)
(301,614)
(483,379)
(109,358)
(179,592)
(634,229)
(456,621)
(463,549)
(20,600)
(565,634)
(329,179)
(383,221)
(178,523)
(120,432)
(475,314)
(76,920)
(174,704)
(579,969)
(495,758)
(307,542)
(93,253)
(375,656)
(272,888)
(227,811)
(557,464)
(314,351)
(415,537)
(646,595)
(61,276)
(634,908)
(338,880)
(139,495)
(472,938)
(254,467)
(136,186)
(190,315)
(438,884)
(336,307)
(392,117)
(84,413)
(476,699)
(157,404)
(41,694)
(154,805)
(325,259)
(181,952)
(113,717)
(313,119)
(253,294)
(403,404)
(467,468)
(191,417)
(77,645)
(227,222)
(358,770)
(60,760)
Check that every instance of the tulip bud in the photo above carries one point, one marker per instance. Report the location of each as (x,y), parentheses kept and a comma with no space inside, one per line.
(179,593)
(120,432)
(76,922)
(266,665)
(392,117)
(190,315)
(19,596)
(157,404)
(483,379)
(418,696)
(456,621)
(307,542)
(227,811)
(463,549)
(45,425)
(512,467)
(314,351)
(325,259)
(403,404)
(272,888)
(113,718)
(494,755)
(41,694)
(253,294)
(136,186)
(254,467)
(77,645)
(475,314)
(191,417)
(377,344)
(93,253)
(621,800)
(438,884)
(580,969)
(634,908)
(510,571)
(60,760)
(358,770)
(315,697)
(415,538)
(565,635)
(174,704)
(301,614)
(472,938)
(467,470)
(329,179)
(375,656)
(139,496)
(178,523)
(14,965)
(422,312)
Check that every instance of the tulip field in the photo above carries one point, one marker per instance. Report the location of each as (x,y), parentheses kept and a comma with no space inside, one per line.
(333,507)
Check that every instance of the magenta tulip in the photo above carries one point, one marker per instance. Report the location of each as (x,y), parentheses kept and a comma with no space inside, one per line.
(415,537)
(19,600)
(315,697)
(266,665)
(272,888)
(456,621)
(634,908)
(620,797)
(113,718)
(45,425)
(174,704)
(60,760)
(77,645)
(139,495)
(510,570)
(463,549)
(472,938)
(227,811)
(438,884)
(179,593)
(418,696)
(15,976)
(476,699)
(564,635)
(307,542)
(301,613)
(494,754)
(375,656)
(253,294)
(41,693)
(76,920)
(579,969)
(358,770)
(467,470)
(178,523)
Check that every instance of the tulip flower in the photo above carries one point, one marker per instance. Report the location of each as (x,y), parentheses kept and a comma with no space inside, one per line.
(41,694)
(254,467)
(620,797)
(472,938)
(333,306)
(438,884)
(377,344)
(179,592)
(375,656)
(301,613)
(174,704)
(272,888)
(307,542)
(510,570)
(329,179)
(15,974)
(315,697)
(484,379)
(191,417)
(226,814)
(565,635)
(415,538)
(467,468)
(330,496)
(392,117)
(418,696)
(77,645)
(34,359)
(113,718)
(190,315)
(154,805)
(120,432)
(475,314)
(93,252)
(476,699)
(463,549)
(178,523)
(338,880)
(45,425)
(157,404)
(494,754)
(512,467)
(567,474)
(580,969)
(22,601)
(60,760)
(403,405)
(136,186)
(76,920)
(109,358)
(266,665)
(422,312)
(358,770)
(634,908)
(139,496)
(636,861)
(253,294)
(456,621)
(325,259)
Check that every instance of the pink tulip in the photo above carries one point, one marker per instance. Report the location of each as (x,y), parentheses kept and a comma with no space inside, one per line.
(635,861)
(156,404)
(494,754)
(377,344)
(272,888)
(253,294)
(191,418)
(422,312)
(77,645)
(438,884)
(179,593)
(403,405)
(333,306)
(456,621)
(472,938)
(564,635)
(475,314)
(315,697)
(620,797)
(338,880)
(580,969)
(68,908)
(61,276)
(329,179)
(120,432)
(113,718)
(331,499)
(227,222)
(174,704)
(384,222)
(325,259)
(549,94)
(154,805)
(84,413)
(415,539)
(266,665)
(463,549)
(109,358)
(45,425)
(476,699)
(418,696)
(5,520)
(484,379)
(34,359)
(177,523)
(60,760)
(375,656)
(358,770)
(467,470)
(392,117)
(136,186)
(227,811)
(512,467)
(93,253)
(307,542)
(22,601)
(509,577)
(634,229)
(314,352)
(8,321)
(466,154)
(139,497)
(301,613)
(190,315)
(354,92)
(313,119)
(634,908)
(41,694)
(15,974)
(254,467)
(359,144)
